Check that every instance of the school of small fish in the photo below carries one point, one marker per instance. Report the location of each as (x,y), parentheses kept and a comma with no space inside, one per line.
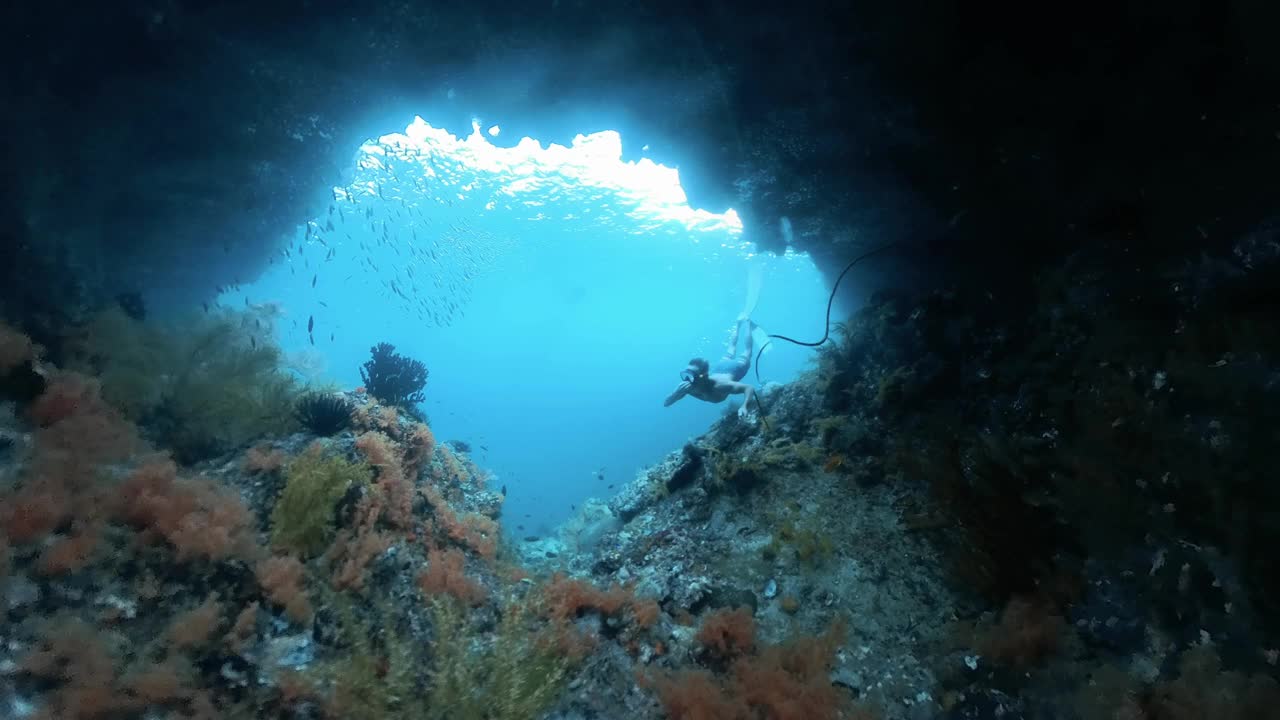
(401,226)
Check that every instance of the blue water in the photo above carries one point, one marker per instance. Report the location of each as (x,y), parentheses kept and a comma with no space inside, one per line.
(573,290)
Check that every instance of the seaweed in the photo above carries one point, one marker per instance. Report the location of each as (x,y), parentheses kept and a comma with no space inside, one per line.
(379,677)
(303,518)
(202,387)
(519,675)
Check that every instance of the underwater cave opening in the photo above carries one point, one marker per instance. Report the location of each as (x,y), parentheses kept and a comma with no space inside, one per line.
(554,292)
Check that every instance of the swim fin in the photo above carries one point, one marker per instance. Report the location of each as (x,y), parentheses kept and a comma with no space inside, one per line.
(760,338)
(755,278)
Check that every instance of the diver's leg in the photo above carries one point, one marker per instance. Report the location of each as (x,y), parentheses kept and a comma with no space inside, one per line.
(731,347)
(755,278)
(742,360)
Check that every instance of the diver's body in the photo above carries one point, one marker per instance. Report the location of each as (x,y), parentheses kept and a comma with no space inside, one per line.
(715,383)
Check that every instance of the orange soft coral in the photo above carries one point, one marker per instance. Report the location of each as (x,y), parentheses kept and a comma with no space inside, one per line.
(282,579)
(77,434)
(71,553)
(1030,629)
(728,633)
(696,695)
(195,627)
(446,575)
(566,597)
(262,458)
(782,682)
(396,490)
(419,444)
(199,518)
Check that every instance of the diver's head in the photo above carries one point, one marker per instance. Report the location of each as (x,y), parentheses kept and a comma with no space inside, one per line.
(697,369)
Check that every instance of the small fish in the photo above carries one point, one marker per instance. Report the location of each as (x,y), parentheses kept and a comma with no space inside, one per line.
(330,337)
(311,323)
(504,489)
(519,527)
(313,280)
(253,343)
(531,538)
(323,303)
(206,308)
(313,338)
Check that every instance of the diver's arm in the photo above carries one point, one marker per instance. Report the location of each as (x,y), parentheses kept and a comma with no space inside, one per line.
(748,394)
(680,391)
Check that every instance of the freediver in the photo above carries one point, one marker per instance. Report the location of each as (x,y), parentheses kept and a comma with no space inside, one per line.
(713,384)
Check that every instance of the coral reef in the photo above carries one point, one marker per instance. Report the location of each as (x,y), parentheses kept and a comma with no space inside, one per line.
(962,511)
(393,378)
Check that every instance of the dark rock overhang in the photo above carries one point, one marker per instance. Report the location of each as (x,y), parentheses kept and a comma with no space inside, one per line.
(160,138)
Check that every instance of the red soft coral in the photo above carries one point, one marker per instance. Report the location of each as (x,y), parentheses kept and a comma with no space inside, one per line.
(75,657)
(728,633)
(77,433)
(419,443)
(696,695)
(33,512)
(566,597)
(446,575)
(70,553)
(782,682)
(1029,630)
(282,579)
(397,492)
(198,517)
(195,627)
